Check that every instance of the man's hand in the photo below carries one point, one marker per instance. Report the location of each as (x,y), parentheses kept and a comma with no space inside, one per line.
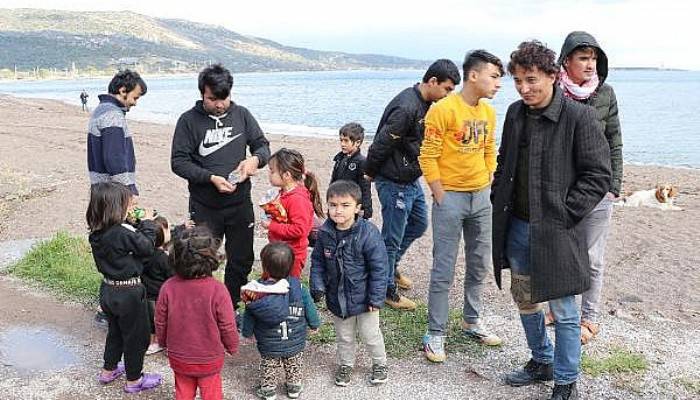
(248,167)
(373,308)
(368,178)
(611,196)
(438,191)
(222,185)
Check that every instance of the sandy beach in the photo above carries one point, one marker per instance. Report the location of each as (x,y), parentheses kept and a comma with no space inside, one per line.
(651,300)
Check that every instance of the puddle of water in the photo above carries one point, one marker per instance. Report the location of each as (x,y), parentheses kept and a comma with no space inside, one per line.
(32,350)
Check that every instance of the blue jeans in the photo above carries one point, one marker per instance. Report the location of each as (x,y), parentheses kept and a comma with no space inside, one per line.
(566,356)
(468,214)
(404,219)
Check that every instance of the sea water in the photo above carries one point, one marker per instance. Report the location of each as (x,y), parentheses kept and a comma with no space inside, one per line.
(659,110)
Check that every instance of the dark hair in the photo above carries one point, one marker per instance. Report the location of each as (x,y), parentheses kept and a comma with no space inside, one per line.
(108,205)
(531,55)
(288,160)
(161,225)
(194,254)
(128,80)
(277,259)
(344,188)
(353,131)
(442,69)
(476,59)
(218,79)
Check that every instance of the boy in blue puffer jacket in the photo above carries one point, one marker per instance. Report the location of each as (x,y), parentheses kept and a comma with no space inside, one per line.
(349,266)
(278,311)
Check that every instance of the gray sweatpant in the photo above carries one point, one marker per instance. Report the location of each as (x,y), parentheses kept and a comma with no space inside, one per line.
(595,226)
(468,214)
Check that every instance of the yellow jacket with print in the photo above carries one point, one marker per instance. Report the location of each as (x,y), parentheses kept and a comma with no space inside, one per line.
(459,146)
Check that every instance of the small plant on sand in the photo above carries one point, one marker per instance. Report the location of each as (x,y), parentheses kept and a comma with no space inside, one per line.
(63,263)
(691,385)
(617,361)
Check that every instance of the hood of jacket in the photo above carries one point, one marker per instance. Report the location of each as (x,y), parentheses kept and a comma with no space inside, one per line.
(578,39)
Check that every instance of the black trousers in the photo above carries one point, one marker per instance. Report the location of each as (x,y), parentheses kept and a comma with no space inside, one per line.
(152,314)
(237,225)
(129,328)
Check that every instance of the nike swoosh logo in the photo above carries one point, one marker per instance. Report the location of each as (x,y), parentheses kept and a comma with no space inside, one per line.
(205,151)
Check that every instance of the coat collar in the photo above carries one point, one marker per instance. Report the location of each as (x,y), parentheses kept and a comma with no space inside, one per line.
(553,110)
(108,98)
(329,226)
(342,155)
(416,91)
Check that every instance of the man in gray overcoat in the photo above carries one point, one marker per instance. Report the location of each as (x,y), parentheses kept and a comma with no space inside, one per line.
(553,168)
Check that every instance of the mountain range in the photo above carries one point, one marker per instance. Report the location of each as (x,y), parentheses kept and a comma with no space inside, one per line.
(64,40)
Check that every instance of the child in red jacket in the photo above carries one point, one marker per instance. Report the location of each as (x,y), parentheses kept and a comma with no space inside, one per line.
(300,199)
(194,317)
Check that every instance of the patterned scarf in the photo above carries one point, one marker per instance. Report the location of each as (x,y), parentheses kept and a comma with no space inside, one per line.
(578,92)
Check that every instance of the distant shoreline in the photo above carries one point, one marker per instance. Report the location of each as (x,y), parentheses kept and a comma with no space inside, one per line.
(58,77)
(186,74)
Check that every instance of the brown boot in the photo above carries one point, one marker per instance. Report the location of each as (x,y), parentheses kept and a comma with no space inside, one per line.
(398,302)
(403,282)
(589,331)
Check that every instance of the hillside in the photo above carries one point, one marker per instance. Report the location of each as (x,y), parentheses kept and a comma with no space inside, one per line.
(67,40)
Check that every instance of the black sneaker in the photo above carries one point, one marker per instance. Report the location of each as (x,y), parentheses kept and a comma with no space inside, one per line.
(379,374)
(342,375)
(531,373)
(101,320)
(565,392)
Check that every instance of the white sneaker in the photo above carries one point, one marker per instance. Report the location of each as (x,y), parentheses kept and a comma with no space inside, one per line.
(434,348)
(154,348)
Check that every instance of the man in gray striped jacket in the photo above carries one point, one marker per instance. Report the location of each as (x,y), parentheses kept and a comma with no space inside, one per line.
(110,149)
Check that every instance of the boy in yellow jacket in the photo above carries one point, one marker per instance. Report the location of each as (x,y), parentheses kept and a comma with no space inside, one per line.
(458,158)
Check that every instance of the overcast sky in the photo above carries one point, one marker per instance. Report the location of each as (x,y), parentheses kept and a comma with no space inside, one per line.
(632,32)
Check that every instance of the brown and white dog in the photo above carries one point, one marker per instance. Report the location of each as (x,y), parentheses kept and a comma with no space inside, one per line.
(662,197)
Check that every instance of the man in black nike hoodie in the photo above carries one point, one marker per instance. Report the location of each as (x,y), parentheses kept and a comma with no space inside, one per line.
(209,150)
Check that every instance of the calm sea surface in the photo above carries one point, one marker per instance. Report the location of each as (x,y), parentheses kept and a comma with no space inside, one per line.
(659,110)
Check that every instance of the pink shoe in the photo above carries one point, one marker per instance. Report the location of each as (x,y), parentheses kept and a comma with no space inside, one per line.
(148,381)
(113,375)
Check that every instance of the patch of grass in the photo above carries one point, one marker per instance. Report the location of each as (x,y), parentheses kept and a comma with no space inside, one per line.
(63,263)
(403,332)
(617,361)
(691,385)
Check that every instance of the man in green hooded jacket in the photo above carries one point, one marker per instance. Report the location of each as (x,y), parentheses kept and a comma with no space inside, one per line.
(583,72)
